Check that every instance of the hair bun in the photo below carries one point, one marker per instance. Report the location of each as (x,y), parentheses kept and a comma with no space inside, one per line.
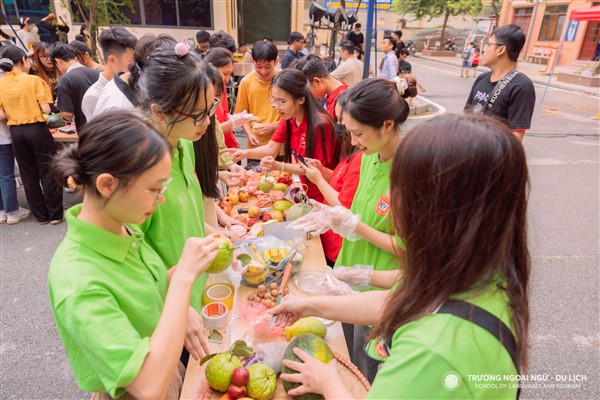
(6,62)
(182,49)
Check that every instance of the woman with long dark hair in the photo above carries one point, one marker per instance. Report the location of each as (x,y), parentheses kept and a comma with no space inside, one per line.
(459,187)
(305,127)
(43,67)
(121,316)
(24,99)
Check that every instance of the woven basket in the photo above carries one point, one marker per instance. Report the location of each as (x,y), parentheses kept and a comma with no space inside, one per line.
(355,382)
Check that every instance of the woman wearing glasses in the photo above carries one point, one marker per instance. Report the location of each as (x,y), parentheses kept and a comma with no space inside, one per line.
(176,92)
(305,128)
(120,314)
(42,67)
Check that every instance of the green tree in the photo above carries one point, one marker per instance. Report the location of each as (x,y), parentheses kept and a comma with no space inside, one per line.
(97,13)
(437,8)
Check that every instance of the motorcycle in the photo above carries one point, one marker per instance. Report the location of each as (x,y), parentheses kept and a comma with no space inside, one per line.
(450,45)
(411,46)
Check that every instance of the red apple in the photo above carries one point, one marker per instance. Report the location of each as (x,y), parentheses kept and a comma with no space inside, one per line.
(240,376)
(236,392)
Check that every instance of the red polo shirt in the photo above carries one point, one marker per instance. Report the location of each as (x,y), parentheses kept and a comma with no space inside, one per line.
(222,115)
(345,181)
(332,100)
(298,144)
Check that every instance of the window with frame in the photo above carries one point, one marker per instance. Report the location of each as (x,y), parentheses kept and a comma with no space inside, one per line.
(522,18)
(176,13)
(553,22)
(34,9)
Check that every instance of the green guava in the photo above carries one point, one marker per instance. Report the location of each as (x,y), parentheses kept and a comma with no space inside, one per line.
(262,382)
(219,370)
(224,258)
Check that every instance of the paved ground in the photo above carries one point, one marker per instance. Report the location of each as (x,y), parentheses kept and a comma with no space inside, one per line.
(563,153)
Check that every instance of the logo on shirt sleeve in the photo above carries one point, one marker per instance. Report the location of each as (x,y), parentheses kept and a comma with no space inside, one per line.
(383,206)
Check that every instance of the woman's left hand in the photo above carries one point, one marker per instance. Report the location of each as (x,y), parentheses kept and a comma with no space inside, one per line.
(313,375)
(230,178)
(268,163)
(312,172)
(226,221)
(195,341)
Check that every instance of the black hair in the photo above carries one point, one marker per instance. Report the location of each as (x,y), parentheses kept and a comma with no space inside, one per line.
(405,52)
(224,40)
(398,33)
(114,41)
(295,84)
(80,48)
(119,143)
(80,38)
(242,44)
(391,39)
(267,39)
(61,51)
(511,36)
(311,66)
(294,37)
(264,51)
(375,100)
(359,50)
(9,56)
(348,45)
(173,81)
(202,36)
(219,57)
(357,25)
(146,45)
(83,27)
(347,149)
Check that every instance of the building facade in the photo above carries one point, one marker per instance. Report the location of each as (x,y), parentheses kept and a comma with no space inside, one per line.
(547,22)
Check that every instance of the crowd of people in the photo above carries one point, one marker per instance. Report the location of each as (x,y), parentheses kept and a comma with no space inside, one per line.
(429,227)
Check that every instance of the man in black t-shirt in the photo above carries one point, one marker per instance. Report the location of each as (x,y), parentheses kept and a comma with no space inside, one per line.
(504,92)
(357,37)
(400,45)
(72,85)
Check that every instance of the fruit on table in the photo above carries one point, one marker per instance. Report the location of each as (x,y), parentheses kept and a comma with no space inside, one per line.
(267,295)
(240,376)
(256,273)
(253,211)
(234,198)
(276,215)
(280,186)
(274,256)
(281,205)
(305,325)
(313,345)
(219,370)
(224,257)
(262,382)
(253,221)
(297,210)
(226,207)
(265,186)
(265,216)
(236,392)
(243,196)
(242,219)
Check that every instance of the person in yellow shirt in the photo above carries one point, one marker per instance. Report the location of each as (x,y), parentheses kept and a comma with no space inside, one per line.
(254,92)
(24,99)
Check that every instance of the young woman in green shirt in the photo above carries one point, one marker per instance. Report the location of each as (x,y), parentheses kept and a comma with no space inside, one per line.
(458,200)
(121,315)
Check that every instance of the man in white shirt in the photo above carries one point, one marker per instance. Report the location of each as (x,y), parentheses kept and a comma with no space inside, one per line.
(350,69)
(118,47)
(389,64)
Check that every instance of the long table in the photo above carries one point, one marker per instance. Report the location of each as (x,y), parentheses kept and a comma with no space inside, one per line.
(195,385)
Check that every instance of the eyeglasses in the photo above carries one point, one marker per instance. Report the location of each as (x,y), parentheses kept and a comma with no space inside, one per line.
(45,57)
(276,102)
(155,192)
(200,117)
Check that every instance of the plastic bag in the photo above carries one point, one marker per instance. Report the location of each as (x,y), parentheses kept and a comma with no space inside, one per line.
(271,353)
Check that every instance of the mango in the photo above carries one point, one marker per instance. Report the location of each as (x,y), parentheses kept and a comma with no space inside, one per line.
(305,325)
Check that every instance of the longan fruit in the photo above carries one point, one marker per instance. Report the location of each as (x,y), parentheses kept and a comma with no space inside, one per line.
(273,285)
(262,288)
(268,296)
(265,302)
(274,292)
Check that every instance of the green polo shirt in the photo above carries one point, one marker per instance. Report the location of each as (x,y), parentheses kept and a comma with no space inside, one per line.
(373,205)
(107,293)
(427,354)
(180,217)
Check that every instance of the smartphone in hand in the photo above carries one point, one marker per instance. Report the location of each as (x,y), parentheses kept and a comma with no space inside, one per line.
(299,157)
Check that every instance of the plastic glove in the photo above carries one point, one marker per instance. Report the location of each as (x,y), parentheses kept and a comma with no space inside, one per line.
(334,286)
(357,276)
(240,119)
(322,218)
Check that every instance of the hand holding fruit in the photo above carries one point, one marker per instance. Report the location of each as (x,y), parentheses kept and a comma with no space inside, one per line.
(236,154)
(229,178)
(313,375)
(195,341)
(268,163)
(197,256)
